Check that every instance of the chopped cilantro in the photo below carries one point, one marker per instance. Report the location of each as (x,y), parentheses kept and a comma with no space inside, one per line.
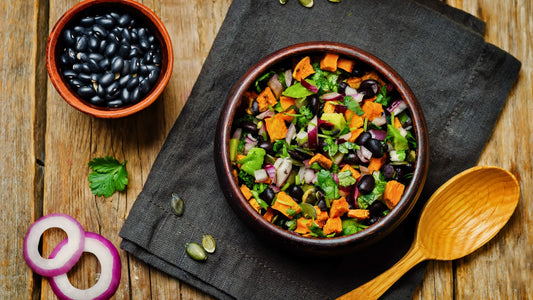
(346,178)
(108,175)
(246,179)
(347,146)
(399,142)
(353,105)
(325,81)
(253,160)
(305,115)
(328,185)
(382,97)
(259,82)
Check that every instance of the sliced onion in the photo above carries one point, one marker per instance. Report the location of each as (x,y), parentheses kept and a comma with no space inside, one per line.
(312,88)
(380,121)
(301,174)
(312,133)
(291,133)
(309,175)
(337,158)
(359,97)
(275,85)
(110,273)
(288,78)
(261,175)
(331,96)
(266,114)
(68,254)
(364,154)
(345,137)
(271,171)
(340,108)
(378,134)
(283,171)
(350,91)
(402,131)
(397,107)
(237,134)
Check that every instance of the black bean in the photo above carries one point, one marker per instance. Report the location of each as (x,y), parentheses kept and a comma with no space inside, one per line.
(71,55)
(114,15)
(313,103)
(117,64)
(81,43)
(64,60)
(125,95)
(134,52)
(102,47)
(363,138)
(144,43)
(358,71)
(96,56)
(366,184)
(125,68)
(82,56)
(75,83)
(342,87)
(148,57)
(377,208)
(70,74)
(145,86)
(107,79)
(96,77)
(93,65)
(134,35)
(106,22)
(96,100)
(124,20)
(84,77)
(115,103)
(298,155)
(267,195)
(267,145)
(133,83)
(351,159)
(86,92)
(126,36)
(134,65)
(105,63)
(322,205)
(152,77)
(81,68)
(254,108)
(111,49)
(296,192)
(388,171)
(375,147)
(87,21)
(78,30)
(113,38)
(135,95)
(123,81)
(370,88)
(157,59)
(113,89)
(124,50)
(151,40)
(100,90)
(93,43)
(100,31)
(68,37)
(249,127)
(142,33)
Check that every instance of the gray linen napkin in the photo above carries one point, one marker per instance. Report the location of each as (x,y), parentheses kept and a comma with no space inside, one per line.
(460,80)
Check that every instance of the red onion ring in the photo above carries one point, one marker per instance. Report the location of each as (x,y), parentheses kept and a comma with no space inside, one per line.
(68,254)
(109,260)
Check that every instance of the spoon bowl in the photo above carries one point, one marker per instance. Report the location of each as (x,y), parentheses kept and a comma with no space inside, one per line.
(460,217)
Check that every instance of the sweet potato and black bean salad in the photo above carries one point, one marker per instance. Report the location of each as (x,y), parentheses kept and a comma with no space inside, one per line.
(323,148)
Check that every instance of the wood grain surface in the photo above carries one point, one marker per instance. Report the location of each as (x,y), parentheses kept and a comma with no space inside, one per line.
(46,145)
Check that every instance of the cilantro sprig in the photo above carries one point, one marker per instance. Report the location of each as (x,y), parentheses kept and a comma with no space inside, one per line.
(108,175)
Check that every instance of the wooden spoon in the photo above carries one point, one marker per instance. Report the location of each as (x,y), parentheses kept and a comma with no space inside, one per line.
(461,216)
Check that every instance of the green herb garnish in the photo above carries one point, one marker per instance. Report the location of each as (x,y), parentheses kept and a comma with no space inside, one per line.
(108,175)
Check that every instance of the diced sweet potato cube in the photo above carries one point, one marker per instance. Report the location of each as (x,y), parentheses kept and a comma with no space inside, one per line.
(338,208)
(397,123)
(269,214)
(333,225)
(286,102)
(323,161)
(285,202)
(254,204)
(329,62)
(355,173)
(303,69)
(355,134)
(360,214)
(276,127)
(302,225)
(345,64)
(393,193)
(265,99)
(287,115)
(321,217)
(376,163)
(372,110)
(354,82)
(355,120)
(246,192)
(329,107)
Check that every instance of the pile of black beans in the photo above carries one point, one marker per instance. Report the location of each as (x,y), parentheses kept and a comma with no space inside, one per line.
(111,59)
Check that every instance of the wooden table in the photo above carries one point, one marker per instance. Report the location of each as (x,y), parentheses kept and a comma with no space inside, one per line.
(46,145)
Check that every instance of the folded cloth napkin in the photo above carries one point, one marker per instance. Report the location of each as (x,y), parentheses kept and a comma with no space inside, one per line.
(460,80)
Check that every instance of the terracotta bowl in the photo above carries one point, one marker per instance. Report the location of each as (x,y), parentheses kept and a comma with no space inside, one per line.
(286,239)
(140,13)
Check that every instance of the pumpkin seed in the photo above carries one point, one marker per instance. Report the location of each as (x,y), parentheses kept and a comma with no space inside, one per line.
(177,205)
(307,3)
(196,251)
(335,1)
(308,210)
(282,2)
(208,242)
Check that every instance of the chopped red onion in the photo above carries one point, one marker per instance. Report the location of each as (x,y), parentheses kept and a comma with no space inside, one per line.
(288,78)
(271,171)
(275,85)
(283,171)
(306,84)
(340,108)
(266,114)
(261,175)
(68,254)
(309,175)
(364,154)
(345,137)
(312,133)
(396,107)
(380,121)
(350,91)
(291,133)
(110,270)
(331,96)
(237,134)
(378,134)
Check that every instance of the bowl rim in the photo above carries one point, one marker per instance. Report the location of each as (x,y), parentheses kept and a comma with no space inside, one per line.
(83,106)
(245,210)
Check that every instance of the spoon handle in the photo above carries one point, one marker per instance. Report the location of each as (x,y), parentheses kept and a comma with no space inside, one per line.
(379,285)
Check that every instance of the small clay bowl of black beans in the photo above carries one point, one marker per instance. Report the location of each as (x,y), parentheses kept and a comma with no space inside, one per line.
(109,58)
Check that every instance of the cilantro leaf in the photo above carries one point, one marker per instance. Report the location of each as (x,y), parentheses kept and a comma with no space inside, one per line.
(382,97)
(328,185)
(108,175)
(305,115)
(346,178)
(353,105)
(325,81)
(399,142)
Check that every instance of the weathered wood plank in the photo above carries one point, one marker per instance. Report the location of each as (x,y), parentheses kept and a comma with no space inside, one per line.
(20,141)
(502,269)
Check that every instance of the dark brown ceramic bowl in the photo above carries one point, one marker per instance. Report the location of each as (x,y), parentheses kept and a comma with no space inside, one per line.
(286,239)
(141,13)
